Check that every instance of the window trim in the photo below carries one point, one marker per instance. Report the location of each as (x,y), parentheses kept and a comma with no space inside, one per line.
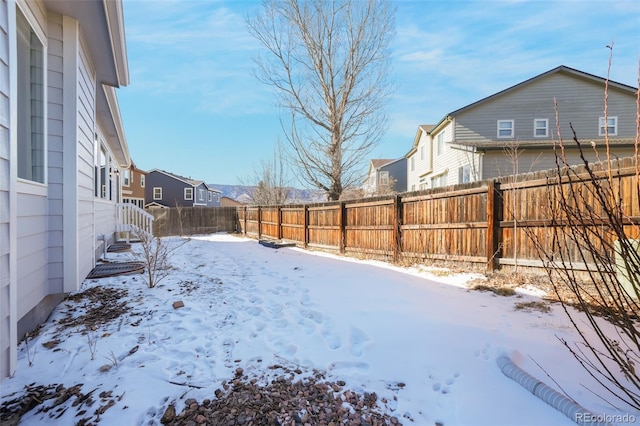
(188,191)
(142,181)
(440,143)
(35,29)
(602,129)
(383,178)
(536,128)
(157,193)
(512,129)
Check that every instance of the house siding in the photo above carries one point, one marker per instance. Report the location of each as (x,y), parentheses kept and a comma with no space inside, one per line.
(32,239)
(495,164)
(172,190)
(448,162)
(579,102)
(423,166)
(7,356)
(86,101)
(55,152)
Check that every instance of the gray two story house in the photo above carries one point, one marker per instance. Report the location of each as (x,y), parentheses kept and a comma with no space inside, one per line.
(386,176)
(164,189)
(514,131)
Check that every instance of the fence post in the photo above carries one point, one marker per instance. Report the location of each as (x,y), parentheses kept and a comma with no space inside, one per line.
(259,222)
(397,227)
(342,217)
(244,230)
(279,221)
(305,226)
(493,224)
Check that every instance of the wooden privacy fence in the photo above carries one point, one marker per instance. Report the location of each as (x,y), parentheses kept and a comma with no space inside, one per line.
(449,223)
(497,222)
(193,220)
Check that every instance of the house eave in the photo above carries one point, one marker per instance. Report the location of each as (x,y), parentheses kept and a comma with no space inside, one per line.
(492,145)
(102,24)
(108,114)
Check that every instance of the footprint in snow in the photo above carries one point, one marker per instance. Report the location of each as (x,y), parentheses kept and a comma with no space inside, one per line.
(358,339)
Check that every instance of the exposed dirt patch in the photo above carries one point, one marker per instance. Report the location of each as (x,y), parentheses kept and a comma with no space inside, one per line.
(94,307)
(52,399)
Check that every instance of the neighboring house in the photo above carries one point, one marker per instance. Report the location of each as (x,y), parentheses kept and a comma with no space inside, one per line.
(229,202)
(62,145)
(133,185)
(164,189)
(386,176)
(513,131)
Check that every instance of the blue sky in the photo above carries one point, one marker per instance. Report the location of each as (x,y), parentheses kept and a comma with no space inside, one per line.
(193,106)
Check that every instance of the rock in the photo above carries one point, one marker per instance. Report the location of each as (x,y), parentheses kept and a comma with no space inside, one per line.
(178,304)
(169,415)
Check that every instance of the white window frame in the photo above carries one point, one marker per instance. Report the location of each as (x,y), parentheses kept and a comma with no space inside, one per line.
(464,174)
(188,194)
(126,177)
(142,181)
(440,180)
(210,196)
(536,127)
(614,125)
(157,193)
(413,163)
(201,194)
(384,178)
(440,143)
(511,129)
(422,151)
(28,169)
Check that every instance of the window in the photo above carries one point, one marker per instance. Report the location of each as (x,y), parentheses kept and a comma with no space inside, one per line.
(505,128)
(126,177)
(384,178)
(200,194)
(413,163)
(464,174)
(440,180)
(188,193)
(157,193)
(422,153)
(210,196)
(102,163)
(541,127)
(440,143)
(142,181)
(611,129)
(30,102)
(217,197)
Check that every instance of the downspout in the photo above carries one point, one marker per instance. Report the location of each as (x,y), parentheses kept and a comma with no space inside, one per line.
(558,401)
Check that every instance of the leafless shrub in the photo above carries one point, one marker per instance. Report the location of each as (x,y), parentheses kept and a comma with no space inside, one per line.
(592,225)
(155,254)
(92,342)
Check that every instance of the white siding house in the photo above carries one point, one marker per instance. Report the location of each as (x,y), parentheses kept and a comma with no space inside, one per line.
(61,147)
(479,141)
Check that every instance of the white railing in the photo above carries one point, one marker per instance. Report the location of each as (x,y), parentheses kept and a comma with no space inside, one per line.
(132,219)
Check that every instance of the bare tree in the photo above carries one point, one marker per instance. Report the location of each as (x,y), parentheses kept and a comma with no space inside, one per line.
(270,180)
(329,64)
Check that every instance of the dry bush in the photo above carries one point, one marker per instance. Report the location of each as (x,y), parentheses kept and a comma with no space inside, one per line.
(592,225)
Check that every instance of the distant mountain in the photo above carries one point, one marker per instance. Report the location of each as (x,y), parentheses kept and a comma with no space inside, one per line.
(242,193)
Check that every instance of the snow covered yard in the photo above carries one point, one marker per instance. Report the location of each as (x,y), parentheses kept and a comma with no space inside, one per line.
(424,343)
